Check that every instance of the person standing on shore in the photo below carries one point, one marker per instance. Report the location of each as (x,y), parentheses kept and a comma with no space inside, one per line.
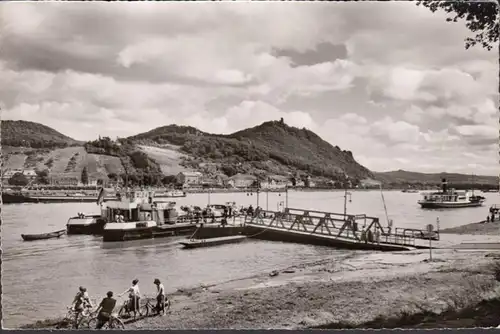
(134,296)
(160,296)
(81,301)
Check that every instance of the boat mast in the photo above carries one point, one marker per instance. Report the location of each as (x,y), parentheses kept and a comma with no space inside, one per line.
(346,193)
(383,201)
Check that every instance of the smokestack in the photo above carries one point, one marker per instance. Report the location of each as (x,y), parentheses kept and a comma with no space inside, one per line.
(444,185)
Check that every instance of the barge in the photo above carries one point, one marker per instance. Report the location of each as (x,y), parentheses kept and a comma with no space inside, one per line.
(41,197)
(137,215)
(26,197)
(450,199)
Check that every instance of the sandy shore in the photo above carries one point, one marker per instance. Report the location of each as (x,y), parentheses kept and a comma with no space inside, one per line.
(352,290)
(479,228)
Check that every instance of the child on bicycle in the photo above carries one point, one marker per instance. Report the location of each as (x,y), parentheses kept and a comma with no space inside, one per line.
(105,309)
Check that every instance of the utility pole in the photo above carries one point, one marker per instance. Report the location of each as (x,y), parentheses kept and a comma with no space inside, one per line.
(286,198)
(267,199)
(1,166)
(208,196)
(346,193)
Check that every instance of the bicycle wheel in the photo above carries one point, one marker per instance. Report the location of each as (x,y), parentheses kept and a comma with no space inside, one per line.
(115,323)
(144,310)
(88,323)
(123,312)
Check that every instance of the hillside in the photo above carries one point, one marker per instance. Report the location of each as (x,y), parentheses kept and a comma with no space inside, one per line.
(35,135)
(272,147)
(29,145)
(401,176)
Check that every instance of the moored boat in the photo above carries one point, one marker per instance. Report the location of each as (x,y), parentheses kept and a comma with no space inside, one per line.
(450,199)
(170,193)
(85,224)
(43,236)
(26,197)
(137,215)
(198,243)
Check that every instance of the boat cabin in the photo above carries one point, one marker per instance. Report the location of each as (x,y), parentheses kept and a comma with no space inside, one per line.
(139,206)
(451,196)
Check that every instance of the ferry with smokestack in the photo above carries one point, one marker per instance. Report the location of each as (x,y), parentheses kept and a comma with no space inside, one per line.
(449,198)
(137,214)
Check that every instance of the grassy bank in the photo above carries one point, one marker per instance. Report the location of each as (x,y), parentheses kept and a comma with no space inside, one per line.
(483,314)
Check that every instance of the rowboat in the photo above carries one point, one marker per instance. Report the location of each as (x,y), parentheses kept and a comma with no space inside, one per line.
(198,243)
(42,236)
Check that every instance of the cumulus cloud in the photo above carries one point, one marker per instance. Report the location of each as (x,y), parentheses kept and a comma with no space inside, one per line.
(389,81)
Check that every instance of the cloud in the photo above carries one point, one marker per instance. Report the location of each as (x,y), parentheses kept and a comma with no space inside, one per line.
(389,81)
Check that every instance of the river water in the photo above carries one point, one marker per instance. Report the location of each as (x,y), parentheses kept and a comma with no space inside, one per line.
(40,278)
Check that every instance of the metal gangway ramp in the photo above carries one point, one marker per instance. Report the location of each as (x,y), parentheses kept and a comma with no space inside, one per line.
(325,228)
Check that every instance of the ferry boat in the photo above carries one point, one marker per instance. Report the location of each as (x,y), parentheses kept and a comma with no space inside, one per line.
(409,190)
(450,199)
(170,193)
(136,215)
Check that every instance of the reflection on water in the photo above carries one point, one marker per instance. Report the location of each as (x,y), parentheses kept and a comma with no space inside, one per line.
(41,277)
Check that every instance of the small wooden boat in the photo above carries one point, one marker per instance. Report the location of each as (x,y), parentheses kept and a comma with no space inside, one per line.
(42,236)
(198,243)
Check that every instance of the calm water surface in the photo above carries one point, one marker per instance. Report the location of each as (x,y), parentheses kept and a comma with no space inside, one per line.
(40,278)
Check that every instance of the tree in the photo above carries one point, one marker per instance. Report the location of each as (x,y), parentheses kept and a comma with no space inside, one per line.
(169,179)
(85,176)
(18,179)
(42,177)
(481,18)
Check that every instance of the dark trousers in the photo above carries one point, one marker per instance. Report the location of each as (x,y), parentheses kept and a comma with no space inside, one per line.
(102,318)
(160,303)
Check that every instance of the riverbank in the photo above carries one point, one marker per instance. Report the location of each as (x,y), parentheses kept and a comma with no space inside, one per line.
(479,228)
(355,290)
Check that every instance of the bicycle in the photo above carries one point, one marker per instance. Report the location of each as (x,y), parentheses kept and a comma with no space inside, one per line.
(113,323)
(150,308)
(125,311)
(70,317)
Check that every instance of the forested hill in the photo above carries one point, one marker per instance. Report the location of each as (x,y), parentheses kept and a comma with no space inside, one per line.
(35,135)
(270,147)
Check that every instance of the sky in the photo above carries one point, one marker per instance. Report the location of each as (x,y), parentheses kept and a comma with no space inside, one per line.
(389,81)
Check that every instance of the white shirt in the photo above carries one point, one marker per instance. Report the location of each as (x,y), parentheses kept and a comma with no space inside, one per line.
(134,291)
(161,289)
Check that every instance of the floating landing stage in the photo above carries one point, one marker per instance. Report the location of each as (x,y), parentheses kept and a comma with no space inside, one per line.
(329,229)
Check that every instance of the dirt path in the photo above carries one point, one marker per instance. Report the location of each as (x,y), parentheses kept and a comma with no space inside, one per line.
(355,290)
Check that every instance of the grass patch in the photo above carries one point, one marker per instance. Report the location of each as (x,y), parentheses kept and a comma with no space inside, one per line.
(475,303)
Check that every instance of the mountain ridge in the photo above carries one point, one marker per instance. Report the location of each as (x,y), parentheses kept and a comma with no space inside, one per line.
(272,146)
(261,149)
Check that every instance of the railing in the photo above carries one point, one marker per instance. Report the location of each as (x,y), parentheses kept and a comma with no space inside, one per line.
(334,225)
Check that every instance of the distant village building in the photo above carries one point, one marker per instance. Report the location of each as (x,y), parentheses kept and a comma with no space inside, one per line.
(64,181)
(241,180)
(276,182)
(189,179)
(370,183)
(30,174)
